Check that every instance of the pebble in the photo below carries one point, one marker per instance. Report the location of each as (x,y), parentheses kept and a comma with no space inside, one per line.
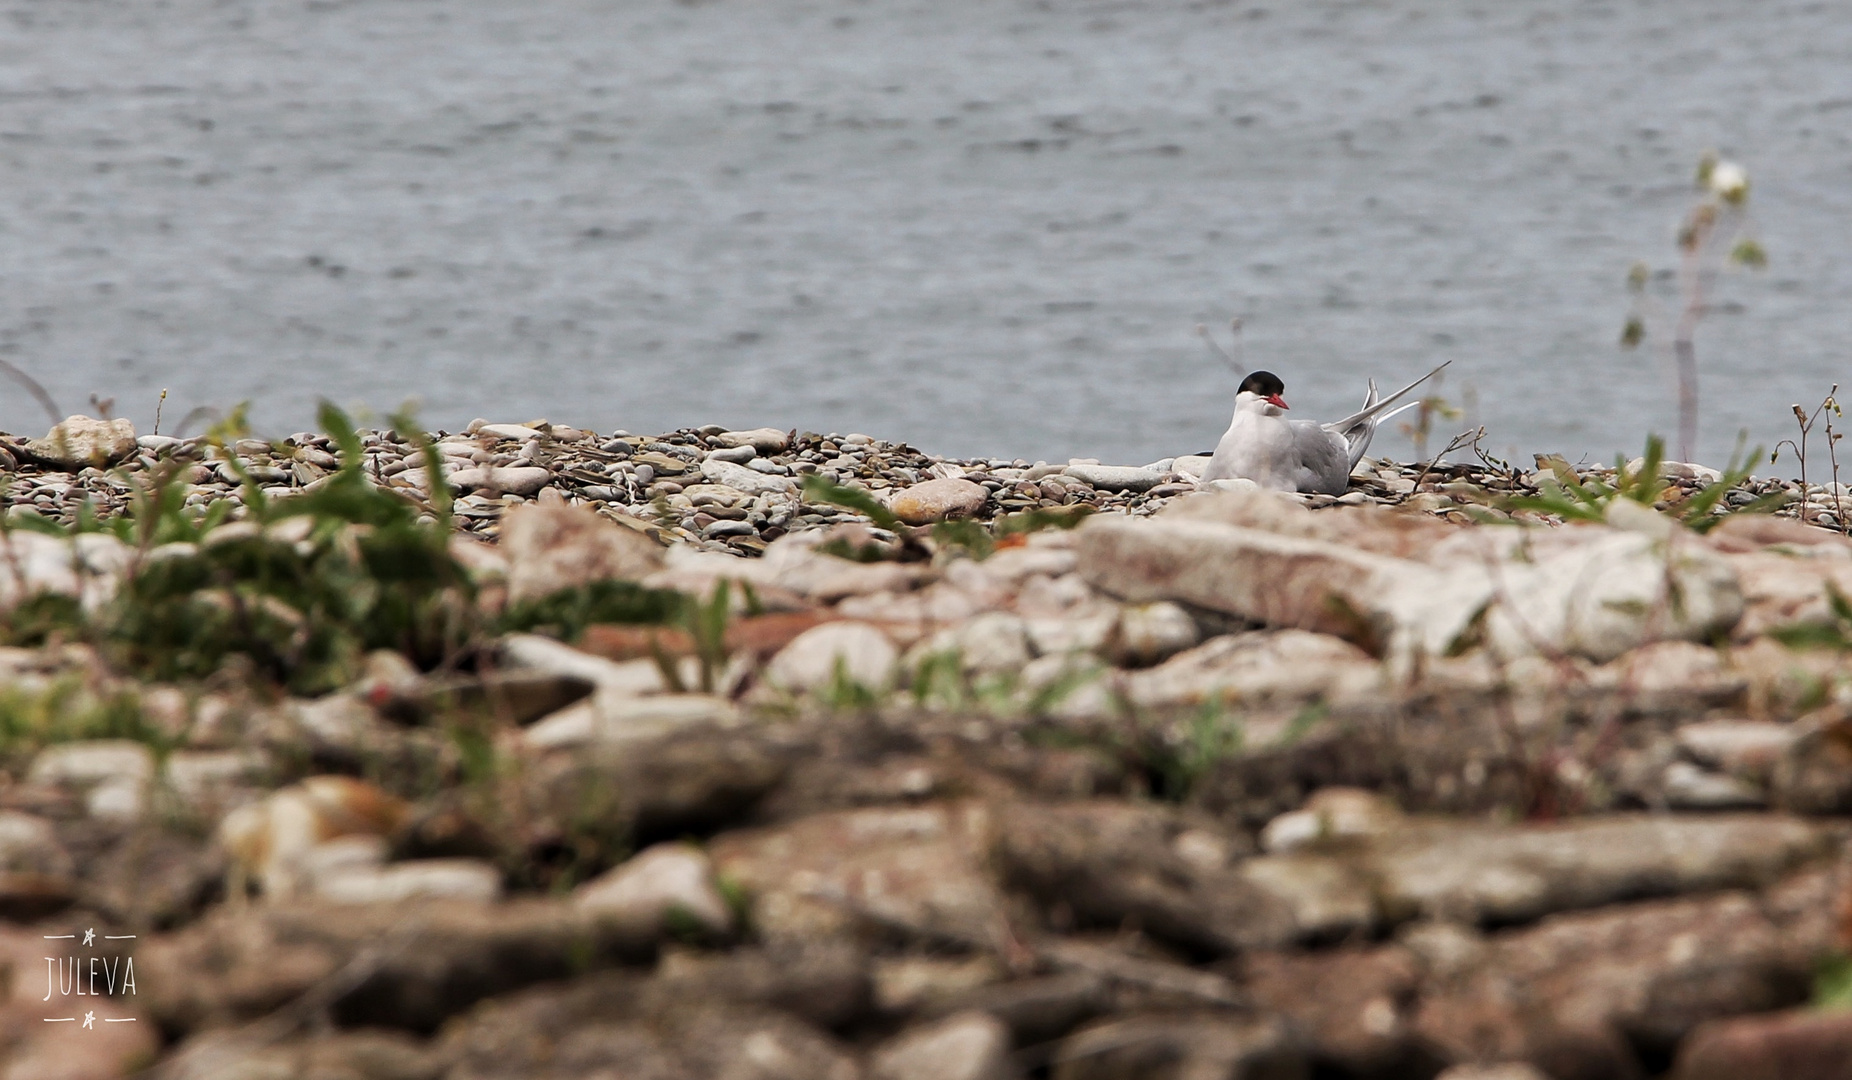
(1688,787)
(508,431)
(765,440)
(1115,477)
(1152,633)
(812,660)
(965,1046)
(744,479)
(620,475)
(662,883)
(452,879)
(937,500)
(739,455)
(521,480)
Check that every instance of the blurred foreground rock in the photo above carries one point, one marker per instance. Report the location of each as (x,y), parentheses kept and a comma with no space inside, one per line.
(1216,784)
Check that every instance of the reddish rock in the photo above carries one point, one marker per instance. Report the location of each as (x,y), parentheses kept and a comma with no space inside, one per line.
(1353,1005)
(1798,1045)
(761,635)
(1573,993)
(1752,532)
(636,642)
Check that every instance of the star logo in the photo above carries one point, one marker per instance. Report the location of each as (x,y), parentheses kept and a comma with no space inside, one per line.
(90,1020)
(89,938)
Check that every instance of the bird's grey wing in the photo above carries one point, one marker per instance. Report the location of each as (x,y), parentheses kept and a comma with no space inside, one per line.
(1376,409)
(1358,435)
(1324,458)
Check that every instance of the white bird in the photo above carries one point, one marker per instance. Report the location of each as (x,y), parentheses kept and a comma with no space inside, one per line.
(1297,455)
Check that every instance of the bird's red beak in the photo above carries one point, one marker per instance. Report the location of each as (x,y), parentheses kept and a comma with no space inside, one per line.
(1275,399)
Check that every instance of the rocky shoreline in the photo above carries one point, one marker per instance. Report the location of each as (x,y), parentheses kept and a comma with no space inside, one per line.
(738,490)
(974,769)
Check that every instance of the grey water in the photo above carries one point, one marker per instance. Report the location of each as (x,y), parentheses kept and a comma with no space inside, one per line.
(987,227)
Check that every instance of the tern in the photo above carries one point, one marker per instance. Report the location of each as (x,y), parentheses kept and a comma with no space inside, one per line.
(1262,445)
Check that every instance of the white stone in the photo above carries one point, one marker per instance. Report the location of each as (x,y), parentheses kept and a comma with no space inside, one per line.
(24,831)
(744,479)
(965,1046)
(343,854)
(1258,667)
(92,762)
(810,662)
(1192,466)
(508,431)
(911,983)
(765,440)
(642,893)
(1116,477)
(1235,483)
(199,777)
(1015,564)
(1330,814)
(1084,631)
(451,879)
(1586,591)
(1637,517)
(1153,633)
(991,642)
(1613,592)
(553,548)
(612,718)
(574,725)
(1068,686)
(1738,745)
(1689,787)
(118,799)
(522,480)
(625,678)
(84,440)
(620,718)
(87,567)
(339,720)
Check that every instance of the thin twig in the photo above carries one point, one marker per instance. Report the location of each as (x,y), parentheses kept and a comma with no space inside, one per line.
(203,412)
(1463,439)
(32,386)
(1232,360)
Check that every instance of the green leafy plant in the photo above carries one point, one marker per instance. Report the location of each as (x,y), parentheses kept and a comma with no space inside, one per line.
(1836,634)
(71,708)
(565,614)
(1832,983)
(1577,496)
(819,490)
(1211,737)
(302,587)
(845,693)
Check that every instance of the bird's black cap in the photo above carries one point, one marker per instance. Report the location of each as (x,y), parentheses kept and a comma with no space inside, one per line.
(1263,383)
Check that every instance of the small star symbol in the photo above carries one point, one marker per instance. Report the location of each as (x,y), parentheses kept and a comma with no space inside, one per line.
(90,1020)
(89,938)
